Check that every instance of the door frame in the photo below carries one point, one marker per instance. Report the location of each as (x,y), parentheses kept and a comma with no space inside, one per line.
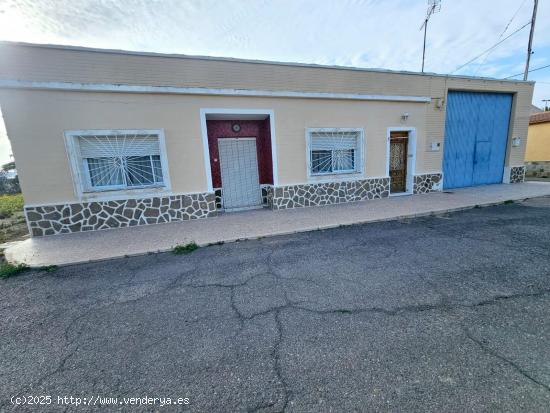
(245,208)
(411,156)
(230,111)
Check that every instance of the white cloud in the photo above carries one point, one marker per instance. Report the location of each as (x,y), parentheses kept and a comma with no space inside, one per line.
(366,33)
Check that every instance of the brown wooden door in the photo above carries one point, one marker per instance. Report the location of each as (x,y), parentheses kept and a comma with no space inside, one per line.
(398,161)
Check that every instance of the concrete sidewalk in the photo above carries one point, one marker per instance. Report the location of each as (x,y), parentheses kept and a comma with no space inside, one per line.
(101,245)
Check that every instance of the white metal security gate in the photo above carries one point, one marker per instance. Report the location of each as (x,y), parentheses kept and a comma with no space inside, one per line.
(239,171)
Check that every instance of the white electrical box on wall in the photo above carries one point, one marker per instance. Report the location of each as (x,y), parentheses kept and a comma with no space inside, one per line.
(435,146)
(516,142)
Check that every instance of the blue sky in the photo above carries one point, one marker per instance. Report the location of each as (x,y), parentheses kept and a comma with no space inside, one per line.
(365,33)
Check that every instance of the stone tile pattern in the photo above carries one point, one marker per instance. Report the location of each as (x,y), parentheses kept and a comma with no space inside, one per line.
(517,174)
(537,169)
(265,188)
(427,183)
(96,215)
(295,196)
(267,195)
(219,199)
(269,192)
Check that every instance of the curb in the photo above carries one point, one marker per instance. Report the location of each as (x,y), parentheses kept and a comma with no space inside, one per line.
(283,233)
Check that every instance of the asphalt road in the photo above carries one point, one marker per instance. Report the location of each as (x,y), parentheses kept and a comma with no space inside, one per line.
(434,314)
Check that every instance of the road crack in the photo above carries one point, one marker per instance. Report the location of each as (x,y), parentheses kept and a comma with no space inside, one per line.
(515,366)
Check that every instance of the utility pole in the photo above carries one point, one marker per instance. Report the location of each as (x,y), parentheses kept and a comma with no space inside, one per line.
(434,7)
(424,47)
(546,108)
(529,47)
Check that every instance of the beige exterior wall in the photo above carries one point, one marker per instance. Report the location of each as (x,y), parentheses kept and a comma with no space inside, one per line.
(538,142)
(45,172)
(36,119)
(86,66)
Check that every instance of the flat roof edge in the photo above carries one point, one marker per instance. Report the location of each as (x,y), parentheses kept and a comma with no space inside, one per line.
(252,61)
(125,88)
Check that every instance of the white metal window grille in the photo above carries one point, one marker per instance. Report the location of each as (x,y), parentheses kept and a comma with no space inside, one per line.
(334,151)
(121,161)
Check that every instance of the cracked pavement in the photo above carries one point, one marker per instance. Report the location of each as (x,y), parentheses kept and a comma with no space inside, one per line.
(447,313)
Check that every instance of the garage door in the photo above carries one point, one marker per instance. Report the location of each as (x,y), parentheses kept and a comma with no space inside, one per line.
(476,132)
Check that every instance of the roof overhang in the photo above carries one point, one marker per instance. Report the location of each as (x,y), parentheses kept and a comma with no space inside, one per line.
(120,88)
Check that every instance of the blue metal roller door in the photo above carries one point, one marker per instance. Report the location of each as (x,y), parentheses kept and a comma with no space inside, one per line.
(476,132)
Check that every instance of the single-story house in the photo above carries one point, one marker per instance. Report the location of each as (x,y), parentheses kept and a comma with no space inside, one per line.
(109,138)
(537,153)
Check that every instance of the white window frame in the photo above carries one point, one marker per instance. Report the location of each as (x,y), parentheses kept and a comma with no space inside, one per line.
(359,156)
(81,178)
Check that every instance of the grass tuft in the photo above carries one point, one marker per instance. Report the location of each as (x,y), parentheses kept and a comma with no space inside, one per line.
(185,248)
(9,270)
(49,268)
(10,204)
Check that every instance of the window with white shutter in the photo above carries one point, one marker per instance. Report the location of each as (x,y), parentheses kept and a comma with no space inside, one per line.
(119,159)
(334,151)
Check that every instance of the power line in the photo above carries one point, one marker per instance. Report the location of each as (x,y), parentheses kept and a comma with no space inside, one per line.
(492,47)
(532,70)
(513,17)
(500,36)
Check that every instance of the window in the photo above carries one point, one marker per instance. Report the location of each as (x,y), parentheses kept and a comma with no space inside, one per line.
(334,151)
(119,159)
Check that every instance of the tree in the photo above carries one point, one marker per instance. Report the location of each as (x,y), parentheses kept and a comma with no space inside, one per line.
(8,166)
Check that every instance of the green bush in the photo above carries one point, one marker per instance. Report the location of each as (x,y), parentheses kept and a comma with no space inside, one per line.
(185,248)
(10,204)
(9,270)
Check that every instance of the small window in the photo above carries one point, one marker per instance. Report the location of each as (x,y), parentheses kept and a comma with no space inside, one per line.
(120,160)
(334,151)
